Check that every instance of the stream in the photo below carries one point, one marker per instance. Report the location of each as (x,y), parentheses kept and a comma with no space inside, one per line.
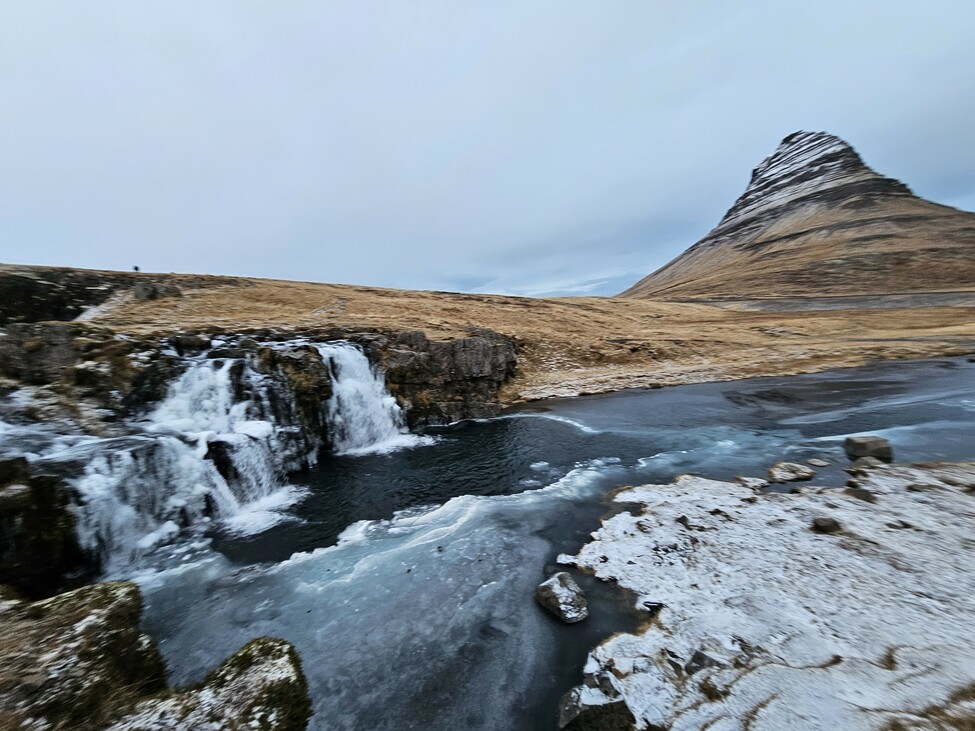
(404,575)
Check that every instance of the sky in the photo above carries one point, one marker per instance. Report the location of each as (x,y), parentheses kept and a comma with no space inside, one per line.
(535,148)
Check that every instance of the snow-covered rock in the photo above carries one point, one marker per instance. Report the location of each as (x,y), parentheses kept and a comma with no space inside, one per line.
(561,595)
(259,687)
(790,472)
(755,483)
(856,629)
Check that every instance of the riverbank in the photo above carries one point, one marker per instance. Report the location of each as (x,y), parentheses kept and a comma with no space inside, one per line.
(822,608)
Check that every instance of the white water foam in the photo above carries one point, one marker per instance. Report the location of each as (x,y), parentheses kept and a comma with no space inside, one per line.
(363,416)
(139,492)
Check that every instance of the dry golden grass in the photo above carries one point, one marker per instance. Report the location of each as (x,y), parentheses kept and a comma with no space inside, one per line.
(571,345)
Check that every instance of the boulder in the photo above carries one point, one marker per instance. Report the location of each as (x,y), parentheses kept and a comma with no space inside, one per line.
(868,446)
(790,472)
(262,686)
(562,597)
(71,661)
(79,661)
(826,525)
(816,462)
(754,483)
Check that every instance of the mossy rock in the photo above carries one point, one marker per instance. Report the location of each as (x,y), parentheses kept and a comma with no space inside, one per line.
(261,687)
(76,660)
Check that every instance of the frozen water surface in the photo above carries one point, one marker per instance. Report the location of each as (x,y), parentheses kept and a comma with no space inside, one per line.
(405,579)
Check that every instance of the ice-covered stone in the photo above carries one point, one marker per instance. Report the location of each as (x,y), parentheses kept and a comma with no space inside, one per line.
(561,595)
(790,472)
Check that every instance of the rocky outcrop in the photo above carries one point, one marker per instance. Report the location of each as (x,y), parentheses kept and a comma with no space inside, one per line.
(81,364)
(815,220)
(39,551)
(39,294)
(79,661)
(260,687)
(75,660)
(438,382)
(768,604)
(36,294)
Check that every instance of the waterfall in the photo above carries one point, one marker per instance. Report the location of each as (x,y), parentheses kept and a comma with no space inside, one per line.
(218,448)
(363,416)
(201,456)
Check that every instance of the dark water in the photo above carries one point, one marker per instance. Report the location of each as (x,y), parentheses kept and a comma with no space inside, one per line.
(427,621)
(717,429)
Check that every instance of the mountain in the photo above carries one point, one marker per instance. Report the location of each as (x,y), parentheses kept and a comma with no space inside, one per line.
(815,220)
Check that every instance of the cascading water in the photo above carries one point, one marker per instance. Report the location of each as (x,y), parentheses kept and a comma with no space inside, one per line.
(201,457)
(363,417)
(218,447)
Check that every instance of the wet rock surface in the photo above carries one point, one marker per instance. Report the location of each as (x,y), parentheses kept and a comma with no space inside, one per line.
(868,446)
(444,381)
(39,551)
(782,599)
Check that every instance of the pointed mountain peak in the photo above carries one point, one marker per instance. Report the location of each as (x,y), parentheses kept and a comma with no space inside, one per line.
(803,165)
(815,219)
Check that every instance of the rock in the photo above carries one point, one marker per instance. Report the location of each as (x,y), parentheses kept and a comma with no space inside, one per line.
(79,661)
(444,381)
(591,709)
(74,660)
(562,597)
(815,462)
(868,446)
(826,525)
(861,494)
(755,483)
(262,686)
(227,354)
(185,343)
(868,462)
(38,544)
(36,294)
(155,291)
(789,472)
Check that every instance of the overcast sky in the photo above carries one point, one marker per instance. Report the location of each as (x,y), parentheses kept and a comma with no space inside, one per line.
(564,147)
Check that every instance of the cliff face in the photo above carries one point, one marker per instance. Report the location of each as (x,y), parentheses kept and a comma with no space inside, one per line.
(815,220)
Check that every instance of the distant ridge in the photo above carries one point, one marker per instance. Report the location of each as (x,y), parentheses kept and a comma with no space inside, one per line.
(816,220)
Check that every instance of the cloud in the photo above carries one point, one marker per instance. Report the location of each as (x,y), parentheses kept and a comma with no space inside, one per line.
(548,147)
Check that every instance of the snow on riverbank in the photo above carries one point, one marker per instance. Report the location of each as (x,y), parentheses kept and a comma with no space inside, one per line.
(768,624)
